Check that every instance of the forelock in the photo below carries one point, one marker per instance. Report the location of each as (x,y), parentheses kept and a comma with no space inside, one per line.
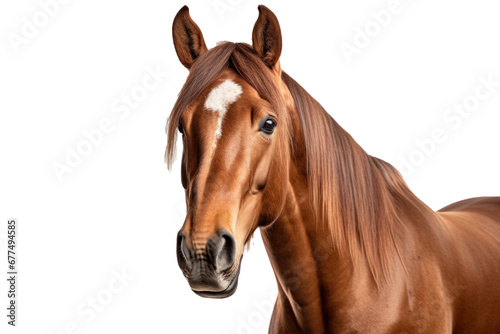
(207,69)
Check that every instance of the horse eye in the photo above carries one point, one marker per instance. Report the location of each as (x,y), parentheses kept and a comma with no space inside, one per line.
(179,127)
(267,125)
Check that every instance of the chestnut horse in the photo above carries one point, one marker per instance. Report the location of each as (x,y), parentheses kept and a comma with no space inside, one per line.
(353,249)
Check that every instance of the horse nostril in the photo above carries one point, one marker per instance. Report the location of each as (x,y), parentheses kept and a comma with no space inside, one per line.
(222,251)
(182,252)
(227,255)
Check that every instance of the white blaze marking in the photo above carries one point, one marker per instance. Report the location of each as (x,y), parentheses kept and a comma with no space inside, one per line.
(219,100)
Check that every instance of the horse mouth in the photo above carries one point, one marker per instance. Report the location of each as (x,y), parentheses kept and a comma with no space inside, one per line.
(228,292)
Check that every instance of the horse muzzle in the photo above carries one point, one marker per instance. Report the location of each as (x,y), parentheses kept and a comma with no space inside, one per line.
(210,271)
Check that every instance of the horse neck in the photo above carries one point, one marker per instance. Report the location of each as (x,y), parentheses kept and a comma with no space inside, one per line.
(295,243)
(314,280)
(304,258)
(313,270)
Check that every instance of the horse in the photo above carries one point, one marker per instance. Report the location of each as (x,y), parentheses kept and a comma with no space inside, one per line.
(352,248)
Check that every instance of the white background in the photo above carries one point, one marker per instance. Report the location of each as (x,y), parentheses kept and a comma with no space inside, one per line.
(121,208)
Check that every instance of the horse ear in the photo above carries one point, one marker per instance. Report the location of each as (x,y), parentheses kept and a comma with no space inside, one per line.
(266,37)
(188,39)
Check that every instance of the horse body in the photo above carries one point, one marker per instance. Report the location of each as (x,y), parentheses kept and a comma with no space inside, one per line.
(447,277)
(352,248)
(474,248)
(450,281)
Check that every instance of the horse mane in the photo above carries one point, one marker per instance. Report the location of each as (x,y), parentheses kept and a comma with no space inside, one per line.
(352,192)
